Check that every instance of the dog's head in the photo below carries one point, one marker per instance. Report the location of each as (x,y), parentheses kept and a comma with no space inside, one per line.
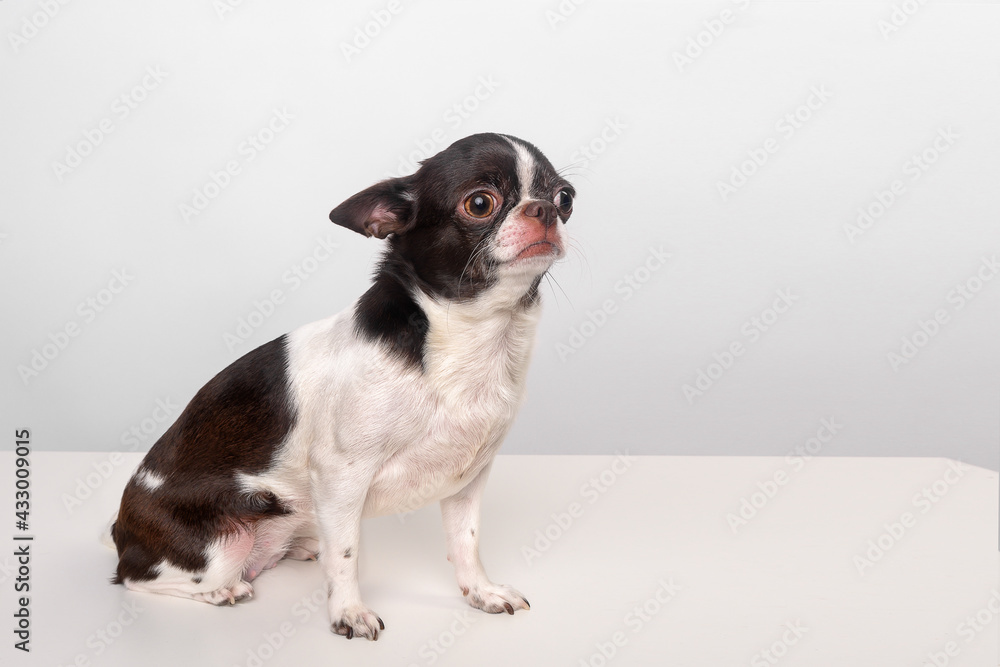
(488,209)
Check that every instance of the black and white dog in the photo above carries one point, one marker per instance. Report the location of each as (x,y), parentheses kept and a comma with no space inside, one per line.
(414,386)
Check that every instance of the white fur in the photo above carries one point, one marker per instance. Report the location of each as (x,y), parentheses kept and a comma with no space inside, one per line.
(376,435)
(525,168)
(148,479)
(423,435)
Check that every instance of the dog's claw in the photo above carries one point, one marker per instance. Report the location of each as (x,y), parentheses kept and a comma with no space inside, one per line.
(357,622)
(494,598)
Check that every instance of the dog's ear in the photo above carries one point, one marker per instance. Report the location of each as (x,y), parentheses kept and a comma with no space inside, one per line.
(388,207)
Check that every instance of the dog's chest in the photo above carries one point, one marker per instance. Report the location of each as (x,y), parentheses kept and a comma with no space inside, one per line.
(471,388)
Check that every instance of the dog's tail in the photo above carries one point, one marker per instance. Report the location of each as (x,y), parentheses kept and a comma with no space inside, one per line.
(107,535)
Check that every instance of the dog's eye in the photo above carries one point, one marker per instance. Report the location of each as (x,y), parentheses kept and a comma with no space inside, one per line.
(479,204)
(564,202)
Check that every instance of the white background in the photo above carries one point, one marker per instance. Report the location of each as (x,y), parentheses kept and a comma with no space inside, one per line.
(679,130)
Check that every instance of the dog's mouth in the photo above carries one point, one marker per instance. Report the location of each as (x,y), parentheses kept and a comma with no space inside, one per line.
(539,249)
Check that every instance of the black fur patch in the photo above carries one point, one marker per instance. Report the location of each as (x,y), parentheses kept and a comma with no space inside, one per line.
(235,423)
(388,314)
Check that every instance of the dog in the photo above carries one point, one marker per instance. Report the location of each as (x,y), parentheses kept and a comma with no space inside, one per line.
(400,400)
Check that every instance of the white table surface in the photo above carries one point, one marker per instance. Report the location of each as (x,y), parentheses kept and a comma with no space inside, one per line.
(661,524)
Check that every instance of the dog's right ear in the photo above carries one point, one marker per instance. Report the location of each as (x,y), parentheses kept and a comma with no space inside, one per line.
(388,207)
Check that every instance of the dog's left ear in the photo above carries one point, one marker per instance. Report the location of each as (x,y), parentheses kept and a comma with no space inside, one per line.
(388,207)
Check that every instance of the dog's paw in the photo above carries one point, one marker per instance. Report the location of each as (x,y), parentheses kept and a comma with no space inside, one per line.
(495,598)
(226,596)
(357,621)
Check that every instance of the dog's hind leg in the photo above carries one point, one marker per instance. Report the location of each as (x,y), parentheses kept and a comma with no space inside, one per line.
(275,540)
(305,541)
(221,582)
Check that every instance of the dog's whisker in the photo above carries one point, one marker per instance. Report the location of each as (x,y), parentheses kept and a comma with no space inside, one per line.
(584,261)
(552,281)
(478,250)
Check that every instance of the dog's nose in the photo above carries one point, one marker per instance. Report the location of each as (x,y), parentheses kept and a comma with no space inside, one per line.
(545,212)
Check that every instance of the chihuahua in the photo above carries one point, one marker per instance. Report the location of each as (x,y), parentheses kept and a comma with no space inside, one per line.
(400,400)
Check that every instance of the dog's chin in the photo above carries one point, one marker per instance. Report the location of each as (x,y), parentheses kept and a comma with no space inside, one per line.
(544,249)
(533,259)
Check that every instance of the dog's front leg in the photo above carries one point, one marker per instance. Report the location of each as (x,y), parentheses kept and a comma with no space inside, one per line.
(461,523)
(339,492)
